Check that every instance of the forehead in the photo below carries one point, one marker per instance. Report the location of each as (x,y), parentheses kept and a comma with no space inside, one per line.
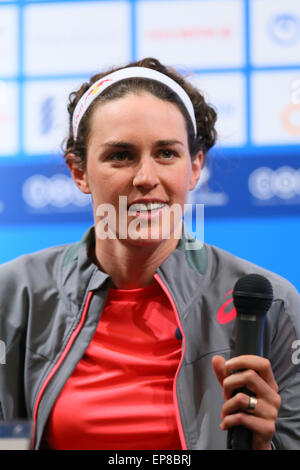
(138,113)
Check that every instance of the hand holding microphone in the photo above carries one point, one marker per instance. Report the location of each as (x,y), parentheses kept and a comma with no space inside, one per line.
(249,388)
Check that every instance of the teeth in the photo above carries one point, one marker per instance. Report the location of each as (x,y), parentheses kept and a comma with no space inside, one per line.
(150,206)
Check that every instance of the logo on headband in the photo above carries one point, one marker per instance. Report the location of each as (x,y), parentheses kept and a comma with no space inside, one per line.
(95,89)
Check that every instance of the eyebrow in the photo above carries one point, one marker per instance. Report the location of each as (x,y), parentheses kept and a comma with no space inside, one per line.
(118,143)
(162,143)
(128,145)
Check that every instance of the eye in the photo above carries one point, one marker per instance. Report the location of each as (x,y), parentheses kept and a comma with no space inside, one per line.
(167,154)
(120,156)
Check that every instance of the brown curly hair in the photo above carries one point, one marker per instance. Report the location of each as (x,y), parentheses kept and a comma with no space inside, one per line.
(204,113)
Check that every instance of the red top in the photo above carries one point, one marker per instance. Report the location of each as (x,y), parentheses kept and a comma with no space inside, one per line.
(120,395)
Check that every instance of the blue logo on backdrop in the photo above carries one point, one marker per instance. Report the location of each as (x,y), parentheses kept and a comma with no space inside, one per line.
(285,29)
(41,193)
(55,192)
(275,186)
(246,187)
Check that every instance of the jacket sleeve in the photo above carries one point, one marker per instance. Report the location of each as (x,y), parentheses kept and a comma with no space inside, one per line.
(13,313)
(284,346)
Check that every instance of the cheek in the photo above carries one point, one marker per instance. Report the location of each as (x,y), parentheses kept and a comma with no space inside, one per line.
(106,189)
(180,190)
(99,190)
(183,180)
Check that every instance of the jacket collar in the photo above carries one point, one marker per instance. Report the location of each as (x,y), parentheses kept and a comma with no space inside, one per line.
(79,273)
(185,271)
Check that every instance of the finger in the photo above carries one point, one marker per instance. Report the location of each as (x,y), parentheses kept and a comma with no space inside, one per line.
(218,363)
(240,402)
(260,364)
(252,381)
(264,429)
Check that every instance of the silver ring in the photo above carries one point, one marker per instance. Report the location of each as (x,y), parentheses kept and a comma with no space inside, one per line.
(252,403)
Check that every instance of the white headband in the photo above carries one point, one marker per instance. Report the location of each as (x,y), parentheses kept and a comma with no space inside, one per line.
(129,72)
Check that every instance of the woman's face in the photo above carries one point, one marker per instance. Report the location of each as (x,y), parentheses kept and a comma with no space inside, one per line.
(138,149)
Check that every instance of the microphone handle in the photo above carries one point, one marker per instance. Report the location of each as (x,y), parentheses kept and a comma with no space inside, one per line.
(248,341)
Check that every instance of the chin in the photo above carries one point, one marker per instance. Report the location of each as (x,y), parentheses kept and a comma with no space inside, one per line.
(148,239)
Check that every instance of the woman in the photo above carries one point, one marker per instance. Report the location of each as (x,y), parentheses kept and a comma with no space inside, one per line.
(117,342)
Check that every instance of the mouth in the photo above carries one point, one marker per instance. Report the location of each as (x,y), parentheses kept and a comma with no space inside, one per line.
(146,209)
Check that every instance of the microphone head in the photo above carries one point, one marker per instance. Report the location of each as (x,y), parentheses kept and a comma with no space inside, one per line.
(253,294)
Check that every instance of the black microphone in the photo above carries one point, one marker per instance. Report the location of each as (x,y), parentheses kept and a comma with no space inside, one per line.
(252,298)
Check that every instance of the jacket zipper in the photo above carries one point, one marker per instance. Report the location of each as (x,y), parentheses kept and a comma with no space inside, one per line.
(177,412)
(58,364)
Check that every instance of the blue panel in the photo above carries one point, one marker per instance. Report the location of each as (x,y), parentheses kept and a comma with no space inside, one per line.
(271,243)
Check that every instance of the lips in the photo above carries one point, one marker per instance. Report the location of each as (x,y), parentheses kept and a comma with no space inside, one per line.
(146,209)
(146,206)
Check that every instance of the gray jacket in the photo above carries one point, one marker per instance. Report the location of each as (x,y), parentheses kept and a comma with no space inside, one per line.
(51,303)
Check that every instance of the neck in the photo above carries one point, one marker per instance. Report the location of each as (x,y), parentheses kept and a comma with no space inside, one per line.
(131,266)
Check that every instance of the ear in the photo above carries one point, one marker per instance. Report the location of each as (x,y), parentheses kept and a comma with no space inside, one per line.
(78,174)
(196,170)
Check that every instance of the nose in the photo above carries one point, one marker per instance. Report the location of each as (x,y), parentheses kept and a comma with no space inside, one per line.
(146,175)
